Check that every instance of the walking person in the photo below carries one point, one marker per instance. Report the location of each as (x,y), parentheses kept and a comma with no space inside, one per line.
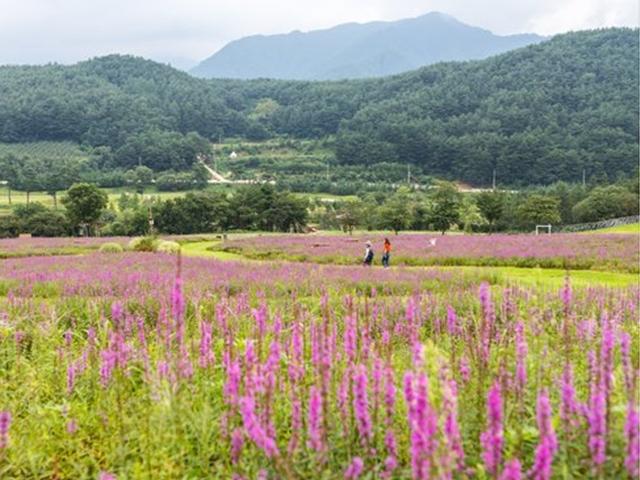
(386,253)
(368,255)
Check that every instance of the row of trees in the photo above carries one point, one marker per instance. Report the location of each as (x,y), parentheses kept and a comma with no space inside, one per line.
(443,207)
(87,212)
(52,175)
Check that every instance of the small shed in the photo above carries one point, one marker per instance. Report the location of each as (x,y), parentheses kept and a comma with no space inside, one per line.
(233,155)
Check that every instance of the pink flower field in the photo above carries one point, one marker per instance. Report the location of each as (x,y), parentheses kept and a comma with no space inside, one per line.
(573,250)
(138,365)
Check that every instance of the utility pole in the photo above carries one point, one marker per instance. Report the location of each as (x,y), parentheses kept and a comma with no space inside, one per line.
(584,177)
(327,170)
(494,179)
(408,174)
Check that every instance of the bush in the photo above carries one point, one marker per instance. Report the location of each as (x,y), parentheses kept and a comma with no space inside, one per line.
(143,244)
(47,224)
(10,226)
(166,246)
(111,247)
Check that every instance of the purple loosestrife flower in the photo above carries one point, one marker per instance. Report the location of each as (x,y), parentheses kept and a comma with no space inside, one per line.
(71,377)
(606,354)
(547,445)
(391,462)
(206,355)
(596,418)
(260,317)
(314,426)
(486,327)
(567,296)
(465,369)
(569,407)
(254,430)
(422,424)
(452,321)
(632,432)
(361,404)
(296,422)
(451,426)
(521,358)
(108,360)
(343,398)
(350,339)
(389,394)
(106,476)
(354,470)
(492,439)
(5,423)
(72,426)
(237,442)
(117,314)
(625,348)
(512,470)
(232,385)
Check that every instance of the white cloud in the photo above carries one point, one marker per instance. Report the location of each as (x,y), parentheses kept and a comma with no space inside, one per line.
(185,31)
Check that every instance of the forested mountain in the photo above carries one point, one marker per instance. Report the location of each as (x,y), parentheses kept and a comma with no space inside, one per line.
(537,114)
(355,50)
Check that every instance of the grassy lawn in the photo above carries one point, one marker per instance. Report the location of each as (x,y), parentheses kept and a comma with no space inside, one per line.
(630,228)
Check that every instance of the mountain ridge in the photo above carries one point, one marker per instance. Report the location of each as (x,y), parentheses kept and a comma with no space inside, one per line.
(357,50)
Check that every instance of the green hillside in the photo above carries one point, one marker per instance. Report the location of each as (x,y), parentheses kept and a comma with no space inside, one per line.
(535,115)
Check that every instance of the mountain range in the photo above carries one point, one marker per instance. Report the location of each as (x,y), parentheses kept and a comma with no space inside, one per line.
(355,50)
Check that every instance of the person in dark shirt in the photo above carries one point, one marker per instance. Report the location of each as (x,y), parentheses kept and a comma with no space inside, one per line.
(368,255)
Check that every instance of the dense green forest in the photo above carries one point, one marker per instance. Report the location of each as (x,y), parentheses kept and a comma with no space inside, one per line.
(534,115)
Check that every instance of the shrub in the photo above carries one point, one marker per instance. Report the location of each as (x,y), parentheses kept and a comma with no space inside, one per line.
(111,247)
(143,244)
(166,246)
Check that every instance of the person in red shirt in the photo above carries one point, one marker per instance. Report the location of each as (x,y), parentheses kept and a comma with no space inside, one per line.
(386,253)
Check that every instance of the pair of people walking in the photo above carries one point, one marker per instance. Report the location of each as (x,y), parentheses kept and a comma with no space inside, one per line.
(386,254)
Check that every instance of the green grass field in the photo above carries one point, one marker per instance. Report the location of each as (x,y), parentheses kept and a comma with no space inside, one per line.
(630,228)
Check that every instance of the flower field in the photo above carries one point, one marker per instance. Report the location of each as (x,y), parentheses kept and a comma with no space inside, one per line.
(138,365)
(612,251)
(25,247)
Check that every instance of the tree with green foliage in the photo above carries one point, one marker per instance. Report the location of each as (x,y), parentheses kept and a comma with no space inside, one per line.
(394,213)
(539,210)
(200,212)
(140,177)
(84,203)
(349,215)
(606,202)
(445,206)
(9,168)
(470,215)
(58,174)
(491,206)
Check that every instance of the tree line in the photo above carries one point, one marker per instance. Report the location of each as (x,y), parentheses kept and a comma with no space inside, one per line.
(87,211)
(442,207)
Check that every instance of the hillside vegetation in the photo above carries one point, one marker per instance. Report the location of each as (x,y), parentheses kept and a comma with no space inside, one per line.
(536,115)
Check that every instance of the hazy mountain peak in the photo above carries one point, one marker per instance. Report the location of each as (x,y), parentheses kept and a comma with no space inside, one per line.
(357,50)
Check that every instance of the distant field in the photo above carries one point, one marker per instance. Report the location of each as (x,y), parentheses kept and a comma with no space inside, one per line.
(18,197)
(43,150)
(631,228)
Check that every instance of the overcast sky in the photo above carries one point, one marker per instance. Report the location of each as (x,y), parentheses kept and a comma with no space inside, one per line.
(182,32)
